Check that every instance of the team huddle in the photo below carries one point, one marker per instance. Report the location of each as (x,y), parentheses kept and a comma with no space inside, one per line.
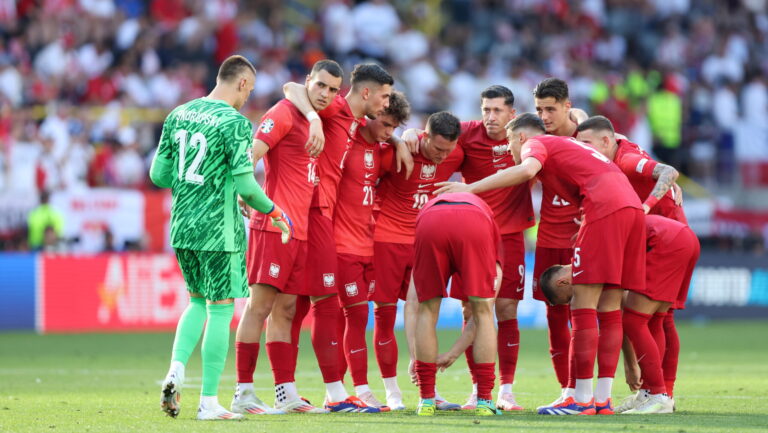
(350,214)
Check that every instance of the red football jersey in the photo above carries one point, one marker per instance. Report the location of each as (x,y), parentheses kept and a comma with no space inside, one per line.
(660,234)
(484,156)
(400,204)
(289,178)
(581,175)
(339,126)
(353,220)
(638,166)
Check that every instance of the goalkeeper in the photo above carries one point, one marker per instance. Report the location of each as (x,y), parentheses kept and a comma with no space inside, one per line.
(203,156)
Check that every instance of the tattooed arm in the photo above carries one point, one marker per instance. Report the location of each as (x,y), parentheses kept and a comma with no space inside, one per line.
(665,176)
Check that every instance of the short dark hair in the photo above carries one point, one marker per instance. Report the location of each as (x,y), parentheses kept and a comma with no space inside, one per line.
(371,72)
(445,124)
(546,281)
(233,66)
(597,123)
(398,108)
(551,88)
(498,91)
(526,120)
(329,66)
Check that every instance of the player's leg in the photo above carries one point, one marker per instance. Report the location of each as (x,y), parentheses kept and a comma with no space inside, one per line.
(637,314)
(426,354)
(558,319)
(466,311)
(188,333)
(300,313)
(225,278)
(609,347)
(391,269)
(484,352)
(510,293)
(584,341)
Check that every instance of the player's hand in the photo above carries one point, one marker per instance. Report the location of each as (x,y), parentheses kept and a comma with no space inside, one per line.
(281,221)
(245,210)
(404,158)
(677,193)
(577,115)
(445,360)
(316,139)
(411,138)
(412,372)
(632,375)
(646,208)
(446,187)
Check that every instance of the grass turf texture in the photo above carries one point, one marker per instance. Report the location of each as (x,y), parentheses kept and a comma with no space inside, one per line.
(111,382)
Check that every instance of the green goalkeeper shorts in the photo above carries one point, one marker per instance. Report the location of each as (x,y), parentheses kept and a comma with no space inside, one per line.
(217,275)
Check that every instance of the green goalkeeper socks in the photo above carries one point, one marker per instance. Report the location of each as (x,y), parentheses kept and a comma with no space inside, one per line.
(189,330)
(215,346)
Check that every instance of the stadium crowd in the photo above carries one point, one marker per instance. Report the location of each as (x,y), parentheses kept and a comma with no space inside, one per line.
(85,84)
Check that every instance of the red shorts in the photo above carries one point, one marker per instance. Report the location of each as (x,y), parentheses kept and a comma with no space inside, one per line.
(356,280)
(611,251)
(669,269)
(543,259)
(454,238)
(513,269)
(279,265)
(322,265)
(392,266)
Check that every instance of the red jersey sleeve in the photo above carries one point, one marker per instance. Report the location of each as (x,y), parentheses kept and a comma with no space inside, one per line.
(275,125)
(635,165)
(333,108)
(534,149)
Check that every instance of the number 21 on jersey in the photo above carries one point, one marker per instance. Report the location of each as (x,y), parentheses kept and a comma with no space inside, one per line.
(197,141)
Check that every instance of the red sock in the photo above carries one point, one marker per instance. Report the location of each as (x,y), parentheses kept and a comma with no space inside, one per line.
(656,325)
(671,352)
(325,337)
(302,308)
(470,355)
(485,379)
(246,355)
(355,347)
(584,342)
(609,345)
(636,328)
(559,340)
(426,372)
(384,339)
(342,328)
(280,355)
(508,340)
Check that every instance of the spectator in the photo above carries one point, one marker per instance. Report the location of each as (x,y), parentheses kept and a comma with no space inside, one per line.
(44,218)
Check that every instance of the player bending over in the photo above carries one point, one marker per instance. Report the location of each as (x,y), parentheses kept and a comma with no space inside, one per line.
(456,233)
(203,156)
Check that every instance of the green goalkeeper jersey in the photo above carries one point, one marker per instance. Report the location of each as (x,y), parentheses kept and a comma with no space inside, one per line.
(207,142)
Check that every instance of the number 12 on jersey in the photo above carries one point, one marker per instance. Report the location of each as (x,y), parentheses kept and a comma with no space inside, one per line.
(197,141)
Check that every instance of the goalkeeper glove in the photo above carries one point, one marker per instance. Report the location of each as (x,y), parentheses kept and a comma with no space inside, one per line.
(281,221)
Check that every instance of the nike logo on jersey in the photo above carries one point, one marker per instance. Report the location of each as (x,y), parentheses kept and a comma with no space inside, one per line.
(422,186)
(382,343)
(333,343)
(513,345)
(520,289)
(368,175)
(495,160)
(577,273)
(356,350)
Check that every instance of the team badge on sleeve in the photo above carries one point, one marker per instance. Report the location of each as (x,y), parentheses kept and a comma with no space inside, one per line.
(266,126)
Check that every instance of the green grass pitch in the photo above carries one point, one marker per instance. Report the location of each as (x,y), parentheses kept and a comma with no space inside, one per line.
(110,383)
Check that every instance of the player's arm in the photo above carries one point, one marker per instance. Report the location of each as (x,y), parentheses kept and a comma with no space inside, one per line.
(297,94)
(161,170)
(445,360)
(577,115)
(511,176)
(631,367)
(252,194)
(403,155)
(410,314)
(665,176)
